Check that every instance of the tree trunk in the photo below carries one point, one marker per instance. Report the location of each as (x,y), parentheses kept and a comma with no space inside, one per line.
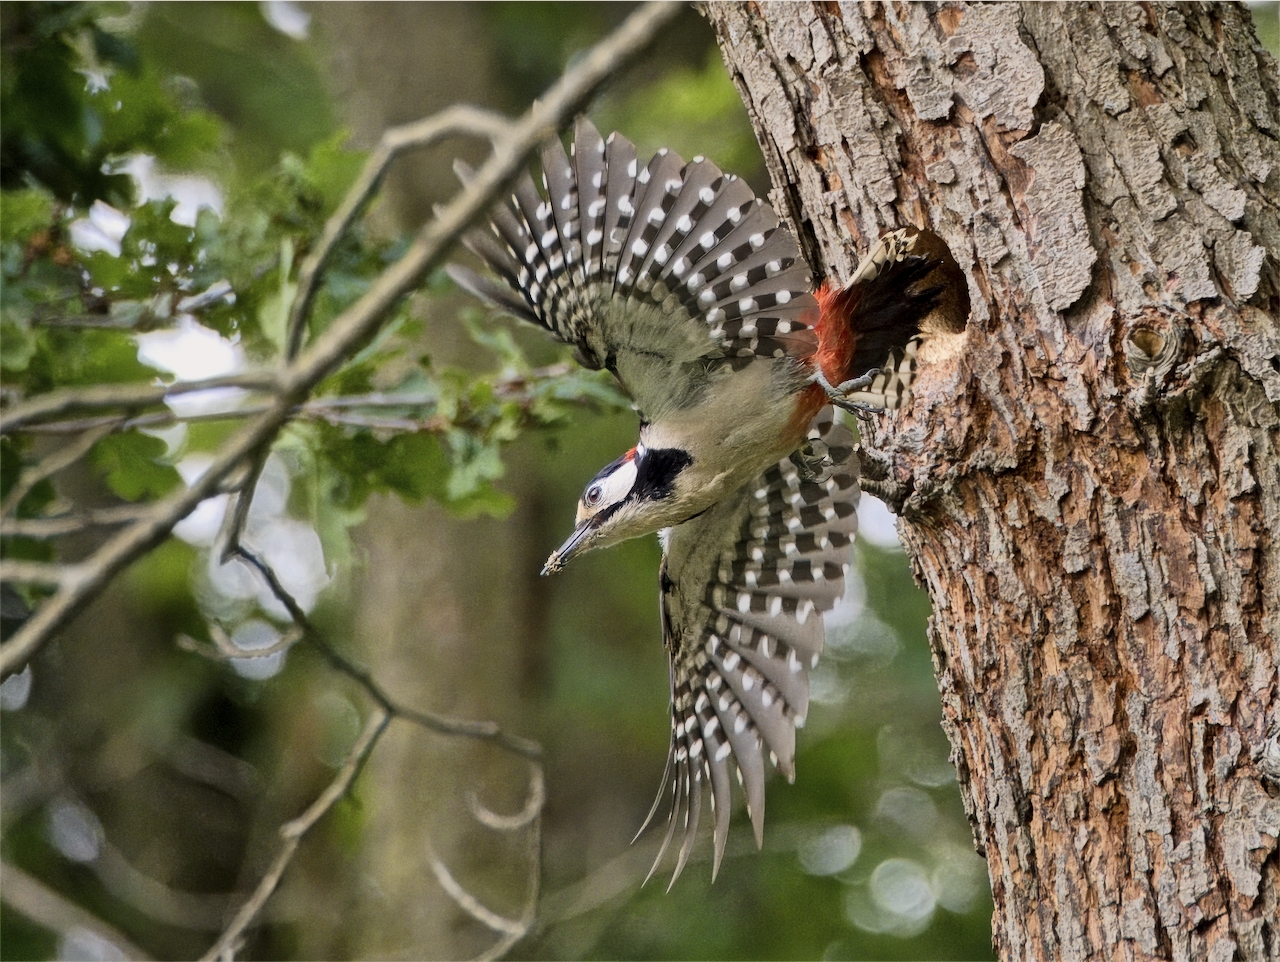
(1088,479)
(432,630)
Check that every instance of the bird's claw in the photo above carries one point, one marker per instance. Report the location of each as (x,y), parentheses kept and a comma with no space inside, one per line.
(837,394)
(813,460)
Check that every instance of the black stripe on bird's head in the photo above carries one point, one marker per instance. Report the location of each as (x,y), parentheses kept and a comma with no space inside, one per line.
(628,498)
(642,474)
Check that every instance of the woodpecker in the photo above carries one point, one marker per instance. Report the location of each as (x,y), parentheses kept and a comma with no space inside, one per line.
(680,282)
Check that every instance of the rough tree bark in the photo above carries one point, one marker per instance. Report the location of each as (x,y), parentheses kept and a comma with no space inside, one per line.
(1089,478)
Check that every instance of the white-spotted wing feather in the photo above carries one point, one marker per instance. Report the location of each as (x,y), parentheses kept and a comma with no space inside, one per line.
(658,272)
(744,587)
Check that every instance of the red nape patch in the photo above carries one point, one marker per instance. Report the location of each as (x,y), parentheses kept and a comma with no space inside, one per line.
(630,455)
(836,338)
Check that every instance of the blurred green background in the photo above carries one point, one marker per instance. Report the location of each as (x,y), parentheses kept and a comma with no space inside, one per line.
(145,782)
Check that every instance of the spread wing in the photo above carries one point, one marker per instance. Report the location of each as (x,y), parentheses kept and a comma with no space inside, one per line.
(744,587)
(650,272)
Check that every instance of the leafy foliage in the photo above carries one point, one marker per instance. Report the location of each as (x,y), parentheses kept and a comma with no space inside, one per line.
(132,467)
(61,131)
(72,316)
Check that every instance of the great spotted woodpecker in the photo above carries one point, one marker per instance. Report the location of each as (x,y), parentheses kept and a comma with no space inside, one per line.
(684,285)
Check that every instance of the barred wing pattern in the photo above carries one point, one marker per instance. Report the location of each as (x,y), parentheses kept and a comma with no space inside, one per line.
(742,625)
(643,269)
(890,387)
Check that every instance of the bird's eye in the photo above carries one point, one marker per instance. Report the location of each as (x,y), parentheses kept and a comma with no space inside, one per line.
(593,495)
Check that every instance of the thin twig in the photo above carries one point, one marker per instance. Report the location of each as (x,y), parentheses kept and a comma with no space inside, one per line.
(316,406)
(65,524)
(509,823)
(453,121)
(291,834)
(508,387)
(224,649)
(477,730)
(90,320)
(442,724)
(468,902)
(56,461)
(202,911)
(432,425)
(353,327)
(386,710)
(29,896)
(40,573)
(530,913)
(125,396)
(233,521)
(378,399)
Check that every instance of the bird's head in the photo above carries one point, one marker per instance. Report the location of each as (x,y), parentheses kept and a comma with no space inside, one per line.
(637,494)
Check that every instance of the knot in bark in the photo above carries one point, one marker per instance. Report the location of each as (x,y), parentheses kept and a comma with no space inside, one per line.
(1153,344)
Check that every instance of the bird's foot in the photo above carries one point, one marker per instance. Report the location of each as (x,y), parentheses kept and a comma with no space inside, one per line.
(838,394)
(876,479)
(814,461)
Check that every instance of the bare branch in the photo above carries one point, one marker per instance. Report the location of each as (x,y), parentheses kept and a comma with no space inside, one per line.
(224,649)
(291,834)
(31,897)
(454,121)
(71,523)
(431,425)
(511,387)
(127,396)
(58,459)
(469,903)
(512,931)
(203,911)
(89,320)
(316,407)
(542,120)
(515,385)
(233,521)
(354,326)
(478,730)
(386,710)
(530,913)
(509,823)
(442,724)
(40,573)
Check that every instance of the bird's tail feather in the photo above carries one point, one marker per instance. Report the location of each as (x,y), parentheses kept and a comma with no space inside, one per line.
(901,291)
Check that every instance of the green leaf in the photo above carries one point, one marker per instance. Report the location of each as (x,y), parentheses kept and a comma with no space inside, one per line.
(139,114)
(475,464)
(484,500)
(69,357)
(497,338)
(23,212)
(332,169)
(415,466)
(273,309)
(129,462)
(17,346)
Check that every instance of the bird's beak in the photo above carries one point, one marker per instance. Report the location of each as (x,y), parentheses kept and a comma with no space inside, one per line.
(562,555)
